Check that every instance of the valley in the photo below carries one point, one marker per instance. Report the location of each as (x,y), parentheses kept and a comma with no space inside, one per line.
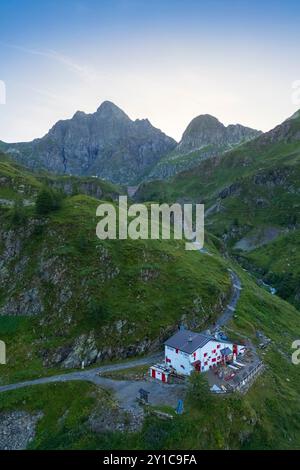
(67,297)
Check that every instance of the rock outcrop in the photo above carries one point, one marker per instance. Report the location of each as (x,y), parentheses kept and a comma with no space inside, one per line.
(17,429)
(107,144)
(207,130)
(205,137)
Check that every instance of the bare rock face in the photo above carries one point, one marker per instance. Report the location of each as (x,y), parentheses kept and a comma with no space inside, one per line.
(26,303)
(107,144)
(207,130)
(205,137)
(106,419)
(84,350)
(17,429)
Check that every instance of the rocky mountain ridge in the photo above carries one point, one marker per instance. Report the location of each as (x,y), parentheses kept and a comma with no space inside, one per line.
(107,144)
(204,137)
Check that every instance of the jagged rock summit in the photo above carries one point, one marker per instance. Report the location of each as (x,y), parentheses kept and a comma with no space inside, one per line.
(205,130)
(107,144)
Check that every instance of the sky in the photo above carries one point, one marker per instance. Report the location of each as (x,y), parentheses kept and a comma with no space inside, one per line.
(165,60)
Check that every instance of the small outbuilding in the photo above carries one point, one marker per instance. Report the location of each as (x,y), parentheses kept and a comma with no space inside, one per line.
(160,372)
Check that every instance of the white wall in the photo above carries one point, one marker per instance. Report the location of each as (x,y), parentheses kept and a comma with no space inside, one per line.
(182,362)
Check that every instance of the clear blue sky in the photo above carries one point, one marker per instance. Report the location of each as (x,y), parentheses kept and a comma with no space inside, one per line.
(168,60)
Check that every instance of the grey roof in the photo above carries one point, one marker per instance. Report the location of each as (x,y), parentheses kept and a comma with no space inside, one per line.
(226,351)
(188,341)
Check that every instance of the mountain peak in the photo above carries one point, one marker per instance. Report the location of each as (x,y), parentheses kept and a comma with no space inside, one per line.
(79,114)
(204,121)
(109,108)
(206,130)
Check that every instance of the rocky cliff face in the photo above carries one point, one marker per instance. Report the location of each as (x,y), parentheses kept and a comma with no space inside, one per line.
(207,130)
(286,132)
(204,137)
(107,144)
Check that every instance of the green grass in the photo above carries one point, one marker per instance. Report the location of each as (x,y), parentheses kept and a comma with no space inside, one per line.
(262,180)
(279,264)
(108,281)
(64,423)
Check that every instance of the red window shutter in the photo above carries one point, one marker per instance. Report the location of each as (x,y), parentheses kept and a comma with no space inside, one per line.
(213,360)
(176,351)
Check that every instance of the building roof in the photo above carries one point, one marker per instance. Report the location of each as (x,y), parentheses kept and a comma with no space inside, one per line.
(188,341)
(226,351)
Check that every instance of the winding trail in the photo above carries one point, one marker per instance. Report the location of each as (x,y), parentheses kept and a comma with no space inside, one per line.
(127,390)
(230,309)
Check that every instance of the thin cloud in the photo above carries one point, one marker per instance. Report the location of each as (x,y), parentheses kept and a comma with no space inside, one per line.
(85,72)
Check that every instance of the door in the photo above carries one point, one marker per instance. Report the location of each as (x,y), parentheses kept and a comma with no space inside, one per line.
(163,377)
(153,373)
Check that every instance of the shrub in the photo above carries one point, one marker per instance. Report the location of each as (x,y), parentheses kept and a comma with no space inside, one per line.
(18,215)
(48,200)
(198,389)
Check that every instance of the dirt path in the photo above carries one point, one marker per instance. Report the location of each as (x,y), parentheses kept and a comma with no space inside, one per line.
(126,390)
(230,309)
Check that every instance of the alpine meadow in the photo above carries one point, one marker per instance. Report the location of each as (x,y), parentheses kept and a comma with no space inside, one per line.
(149,261)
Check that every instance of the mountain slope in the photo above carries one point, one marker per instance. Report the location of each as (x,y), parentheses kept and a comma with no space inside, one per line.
(107,144)
(251,194)
(66,296)
(207,130)
(203,138)
(17,183)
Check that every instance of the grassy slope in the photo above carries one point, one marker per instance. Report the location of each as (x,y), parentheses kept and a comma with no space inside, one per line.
(279,264)
(265,418)
(19,183)
(261,182)
(64,422)
(109,281)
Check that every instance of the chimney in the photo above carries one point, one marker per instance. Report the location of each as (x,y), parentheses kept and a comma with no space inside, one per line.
(190,339)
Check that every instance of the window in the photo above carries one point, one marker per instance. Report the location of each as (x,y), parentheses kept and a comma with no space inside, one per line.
(218,346)
(213,351)
(205,355)
(168,360)
(206,363)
